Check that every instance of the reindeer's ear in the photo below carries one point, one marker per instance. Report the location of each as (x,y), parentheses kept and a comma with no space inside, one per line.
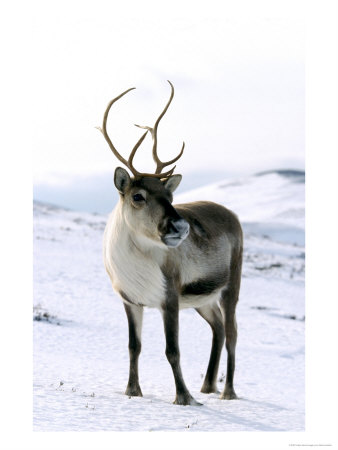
(172,182)
(121,179)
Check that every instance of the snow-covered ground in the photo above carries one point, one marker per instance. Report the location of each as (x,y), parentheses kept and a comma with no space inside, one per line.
(81,337)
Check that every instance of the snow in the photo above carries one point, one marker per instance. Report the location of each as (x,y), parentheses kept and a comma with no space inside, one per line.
(80,330)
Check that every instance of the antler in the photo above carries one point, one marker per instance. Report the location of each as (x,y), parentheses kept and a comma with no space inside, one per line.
(153,131)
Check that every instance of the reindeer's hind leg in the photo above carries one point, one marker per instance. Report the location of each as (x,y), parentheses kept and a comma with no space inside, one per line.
(135,317)
(228,304)
(212,314)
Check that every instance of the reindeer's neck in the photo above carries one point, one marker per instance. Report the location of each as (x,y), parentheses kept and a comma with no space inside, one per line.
(134,268)
(138,244)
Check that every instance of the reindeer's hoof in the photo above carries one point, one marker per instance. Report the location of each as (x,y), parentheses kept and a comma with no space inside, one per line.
(228,394)
(134,391)
(205,389)
(186,399)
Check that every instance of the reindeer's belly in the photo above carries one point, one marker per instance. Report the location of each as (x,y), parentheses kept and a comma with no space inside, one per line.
(203,291)
(197,301)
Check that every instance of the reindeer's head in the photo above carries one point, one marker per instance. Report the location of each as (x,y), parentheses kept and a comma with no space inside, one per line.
(147,197)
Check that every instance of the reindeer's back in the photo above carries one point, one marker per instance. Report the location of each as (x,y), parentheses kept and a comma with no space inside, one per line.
(210,221)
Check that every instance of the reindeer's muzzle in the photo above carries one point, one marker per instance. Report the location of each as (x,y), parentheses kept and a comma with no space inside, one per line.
(177,231)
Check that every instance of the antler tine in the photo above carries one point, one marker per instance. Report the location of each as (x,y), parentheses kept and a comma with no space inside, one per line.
(167,163)
(154,131)
(132,154)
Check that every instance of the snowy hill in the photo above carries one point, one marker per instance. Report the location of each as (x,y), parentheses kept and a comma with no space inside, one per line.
(265,200)
(80,329)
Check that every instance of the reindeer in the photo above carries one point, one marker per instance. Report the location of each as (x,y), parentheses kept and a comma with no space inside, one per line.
(171,257)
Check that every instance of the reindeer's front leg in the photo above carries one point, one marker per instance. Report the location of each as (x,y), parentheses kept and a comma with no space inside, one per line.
(135,317)
(170,319)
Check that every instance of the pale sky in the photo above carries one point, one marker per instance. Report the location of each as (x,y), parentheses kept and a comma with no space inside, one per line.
(237,68)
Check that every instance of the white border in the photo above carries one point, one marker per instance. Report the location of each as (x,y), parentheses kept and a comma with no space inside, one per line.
(321,285)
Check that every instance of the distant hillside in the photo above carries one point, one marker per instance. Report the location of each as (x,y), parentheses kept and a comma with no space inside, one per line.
(276,197)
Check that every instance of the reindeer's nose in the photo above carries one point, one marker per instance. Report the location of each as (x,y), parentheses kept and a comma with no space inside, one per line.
(180,227)
(177,231)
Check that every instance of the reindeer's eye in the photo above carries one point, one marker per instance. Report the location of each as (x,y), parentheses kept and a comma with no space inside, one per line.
(138,198)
